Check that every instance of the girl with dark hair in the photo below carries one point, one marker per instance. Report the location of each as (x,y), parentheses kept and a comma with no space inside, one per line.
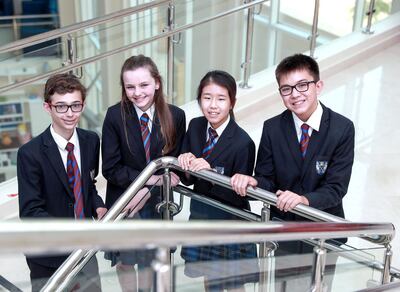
(216,142)
(140,128)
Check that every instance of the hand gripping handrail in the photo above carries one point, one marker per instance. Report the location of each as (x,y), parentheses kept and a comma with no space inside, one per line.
(72,265)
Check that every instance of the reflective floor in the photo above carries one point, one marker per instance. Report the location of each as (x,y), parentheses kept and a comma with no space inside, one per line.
(369,94)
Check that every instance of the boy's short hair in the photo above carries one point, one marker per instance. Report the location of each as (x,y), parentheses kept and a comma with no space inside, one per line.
(62,84)
(295,63)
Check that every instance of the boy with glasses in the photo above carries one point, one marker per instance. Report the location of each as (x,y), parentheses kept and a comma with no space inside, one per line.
(56,174)
(306,153)
(305,156)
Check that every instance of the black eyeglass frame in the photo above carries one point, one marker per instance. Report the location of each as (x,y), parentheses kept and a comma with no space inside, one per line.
(295,87)
(68,106)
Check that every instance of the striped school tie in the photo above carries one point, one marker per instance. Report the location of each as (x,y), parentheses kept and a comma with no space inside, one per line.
(212,140)
(304,139)
(74,180)
(144,120)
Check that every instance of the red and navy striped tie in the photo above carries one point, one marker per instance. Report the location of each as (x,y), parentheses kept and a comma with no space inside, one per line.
(144,120)
(212,140)
(74,180)
(304,139)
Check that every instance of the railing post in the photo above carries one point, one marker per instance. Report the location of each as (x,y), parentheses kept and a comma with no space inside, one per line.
(170,52)
(246,65)
(166,194)
(370,14)
(266,252)
(71,55)
(317,283)
(386,264)
(163,270)
(314,30)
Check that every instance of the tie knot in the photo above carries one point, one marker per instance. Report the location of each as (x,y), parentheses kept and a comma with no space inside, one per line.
(144,119)
(212,133)
(69,147)
(305,127)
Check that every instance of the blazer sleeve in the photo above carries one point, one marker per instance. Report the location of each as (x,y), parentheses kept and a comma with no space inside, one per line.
(333,187)
(31,200)
(265,170)
(113,167)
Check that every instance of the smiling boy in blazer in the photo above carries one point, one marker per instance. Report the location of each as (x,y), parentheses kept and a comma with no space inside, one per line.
(306,153)
(56,173)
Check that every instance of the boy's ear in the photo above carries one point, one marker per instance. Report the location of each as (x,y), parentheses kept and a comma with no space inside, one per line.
(47,107)
(319,86)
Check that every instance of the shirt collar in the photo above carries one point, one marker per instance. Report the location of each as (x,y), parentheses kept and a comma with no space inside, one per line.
(61,141)
(314,120)
(221,128)
(149,112)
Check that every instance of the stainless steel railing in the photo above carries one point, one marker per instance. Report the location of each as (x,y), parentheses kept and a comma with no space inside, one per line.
(70,65)
(381,233)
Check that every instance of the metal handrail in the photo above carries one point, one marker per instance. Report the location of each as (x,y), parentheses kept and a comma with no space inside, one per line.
(36,16)
(164,34)
(382,233)
(38,236)
(33,40)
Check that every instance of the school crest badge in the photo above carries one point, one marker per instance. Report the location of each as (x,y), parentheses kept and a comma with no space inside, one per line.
(321,167)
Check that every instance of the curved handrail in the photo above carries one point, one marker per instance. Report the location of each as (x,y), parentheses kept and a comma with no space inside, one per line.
(337,225)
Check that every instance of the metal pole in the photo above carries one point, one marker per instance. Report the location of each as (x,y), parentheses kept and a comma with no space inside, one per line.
(266,250)
(246,65)
(71,56)
(314,30)
(370,14)
(166,194)
(170,52)
(162,270)
(317,274)
(386,264)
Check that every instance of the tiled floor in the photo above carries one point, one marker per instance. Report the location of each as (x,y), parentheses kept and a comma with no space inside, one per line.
(369,94)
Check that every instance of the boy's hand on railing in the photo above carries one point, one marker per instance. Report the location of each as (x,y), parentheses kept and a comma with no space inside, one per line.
(288,200)
(241,182)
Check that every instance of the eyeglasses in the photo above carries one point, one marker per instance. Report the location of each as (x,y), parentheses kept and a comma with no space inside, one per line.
(63,108)
(300,87)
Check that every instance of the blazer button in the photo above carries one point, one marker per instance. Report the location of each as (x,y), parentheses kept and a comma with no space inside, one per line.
(70,205)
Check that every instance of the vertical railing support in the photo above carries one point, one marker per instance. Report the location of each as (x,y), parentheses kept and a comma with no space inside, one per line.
(370,14)
(71,56)
(317,283)
(166,194)
(163,270)
(314,30)
(170,52)
(246,65)
(386,264)
(266,252)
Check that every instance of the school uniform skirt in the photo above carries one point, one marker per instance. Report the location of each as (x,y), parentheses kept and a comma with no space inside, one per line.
(225,266)
(142,257)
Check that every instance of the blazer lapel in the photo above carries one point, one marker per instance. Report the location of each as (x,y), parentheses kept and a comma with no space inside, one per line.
(224,141)
(135,135)
(156,140)
(53,155)
(85,153)
(289,131)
